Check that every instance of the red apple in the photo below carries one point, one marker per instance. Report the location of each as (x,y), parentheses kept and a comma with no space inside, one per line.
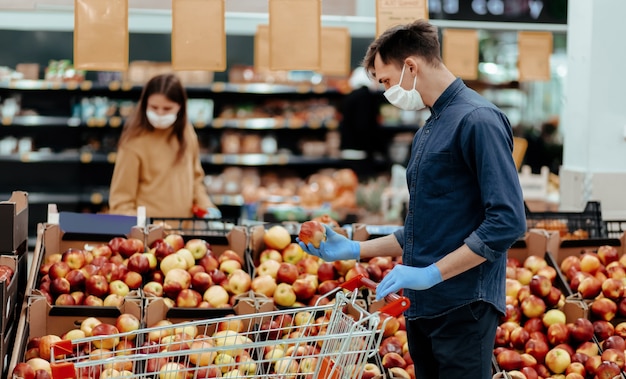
(603,309)
(76,278)
(557,334)
(308,265)
(312,232)
(75,258)
(161,249)
(133,280)
(509,360)
(65,299)
(607,370)
(392,359)
(111,271)
(93,301)
(139,262)
(208,262)
(127,322)
(58,270)
(131,246)
(175,240)
(239,282)
(614,342)
(97,285)
(590,263)
(175,281)
(230,254)
(103,330)
(287,273)
(614,355)
(537,348)
(201,281)
(518,338)
(602,329)
(607,254)
(216,296)
(581,330)
(188,298)
(59,286)
(534,263)
(570,265)
(589,348)
(23,370)
(540,285)
(327,286)
(304,289)
(79,297)
(218,276)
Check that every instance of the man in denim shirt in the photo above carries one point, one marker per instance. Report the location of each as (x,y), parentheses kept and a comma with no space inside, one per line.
(466,210)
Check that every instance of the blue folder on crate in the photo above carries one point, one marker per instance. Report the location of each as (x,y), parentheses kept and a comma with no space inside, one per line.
(95,227)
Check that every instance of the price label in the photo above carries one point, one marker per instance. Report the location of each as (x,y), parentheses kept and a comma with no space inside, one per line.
(320,88)
(332,124)
(219,123)
(115,122)
(115,85)
(218,87)
(303,88)
(86,85)
(96,198)
(86,157)
(218,159)
(111,157)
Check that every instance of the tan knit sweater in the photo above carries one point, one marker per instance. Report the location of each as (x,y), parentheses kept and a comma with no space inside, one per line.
(146,174)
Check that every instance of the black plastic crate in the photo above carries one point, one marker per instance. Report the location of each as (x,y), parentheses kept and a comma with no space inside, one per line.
(571,224)
(614,228)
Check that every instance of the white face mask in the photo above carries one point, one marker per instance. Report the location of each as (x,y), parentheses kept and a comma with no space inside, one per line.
(161,122)
(408,100)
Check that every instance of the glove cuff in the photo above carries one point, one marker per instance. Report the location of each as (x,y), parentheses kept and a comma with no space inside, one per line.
(355,250)
(433,274)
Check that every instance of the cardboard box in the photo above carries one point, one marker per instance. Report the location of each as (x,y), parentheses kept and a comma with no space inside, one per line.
(258,231)
(53,239)
(14,223)
(12,295)
(38,318)
(535,242)
(7,339)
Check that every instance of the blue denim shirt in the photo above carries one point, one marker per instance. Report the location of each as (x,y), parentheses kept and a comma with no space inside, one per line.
(464,188)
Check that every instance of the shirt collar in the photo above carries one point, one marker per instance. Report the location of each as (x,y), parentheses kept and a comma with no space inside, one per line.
(446,97)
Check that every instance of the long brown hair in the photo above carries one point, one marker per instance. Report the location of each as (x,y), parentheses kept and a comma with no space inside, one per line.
(170,86)
(395,44)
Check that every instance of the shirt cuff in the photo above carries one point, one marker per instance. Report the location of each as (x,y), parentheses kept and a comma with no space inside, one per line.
(400,236)
(478,246)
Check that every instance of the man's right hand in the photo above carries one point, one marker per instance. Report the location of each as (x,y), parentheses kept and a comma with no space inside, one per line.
(336,247)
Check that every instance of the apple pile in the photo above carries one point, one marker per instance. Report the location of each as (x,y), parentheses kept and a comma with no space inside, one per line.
(101,276)
(190,275)
(394,349)
(534,339)
(105,341)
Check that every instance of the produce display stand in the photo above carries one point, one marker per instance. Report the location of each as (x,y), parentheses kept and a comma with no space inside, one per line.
(349,339)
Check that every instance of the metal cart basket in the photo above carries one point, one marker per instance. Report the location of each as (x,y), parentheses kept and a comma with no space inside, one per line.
(333,339)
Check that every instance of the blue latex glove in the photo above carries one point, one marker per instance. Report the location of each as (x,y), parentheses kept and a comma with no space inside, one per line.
(336,247)
(213,213)
(415,278)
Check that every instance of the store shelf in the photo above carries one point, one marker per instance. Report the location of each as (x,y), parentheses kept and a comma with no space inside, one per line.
(270,123)
(268,160)
(217,87)
(66,157)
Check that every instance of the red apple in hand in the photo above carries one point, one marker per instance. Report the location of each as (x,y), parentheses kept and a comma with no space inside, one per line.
(312,232)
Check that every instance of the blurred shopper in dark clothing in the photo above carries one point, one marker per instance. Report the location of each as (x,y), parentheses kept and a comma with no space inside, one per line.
(360,112)
(544,148)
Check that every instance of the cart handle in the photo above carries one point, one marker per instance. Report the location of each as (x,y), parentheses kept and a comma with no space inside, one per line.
(396,304)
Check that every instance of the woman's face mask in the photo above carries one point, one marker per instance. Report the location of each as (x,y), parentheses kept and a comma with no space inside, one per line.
(161,121)
(408,100)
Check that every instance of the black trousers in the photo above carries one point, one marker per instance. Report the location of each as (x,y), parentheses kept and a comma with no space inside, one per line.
(456,345)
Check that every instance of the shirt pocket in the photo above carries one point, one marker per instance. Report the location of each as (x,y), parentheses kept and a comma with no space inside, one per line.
(438,171)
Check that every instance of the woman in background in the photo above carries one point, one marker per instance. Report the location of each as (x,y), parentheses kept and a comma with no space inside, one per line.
(158,160)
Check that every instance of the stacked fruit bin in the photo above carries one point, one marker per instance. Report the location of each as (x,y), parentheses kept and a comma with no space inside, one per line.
(13,269)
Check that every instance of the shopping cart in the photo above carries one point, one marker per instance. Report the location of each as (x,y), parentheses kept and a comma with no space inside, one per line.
(333,339)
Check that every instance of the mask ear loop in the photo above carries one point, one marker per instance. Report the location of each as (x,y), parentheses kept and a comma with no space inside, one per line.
(401,75)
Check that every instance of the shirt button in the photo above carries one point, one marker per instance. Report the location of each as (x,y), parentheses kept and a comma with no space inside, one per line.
(427,131)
